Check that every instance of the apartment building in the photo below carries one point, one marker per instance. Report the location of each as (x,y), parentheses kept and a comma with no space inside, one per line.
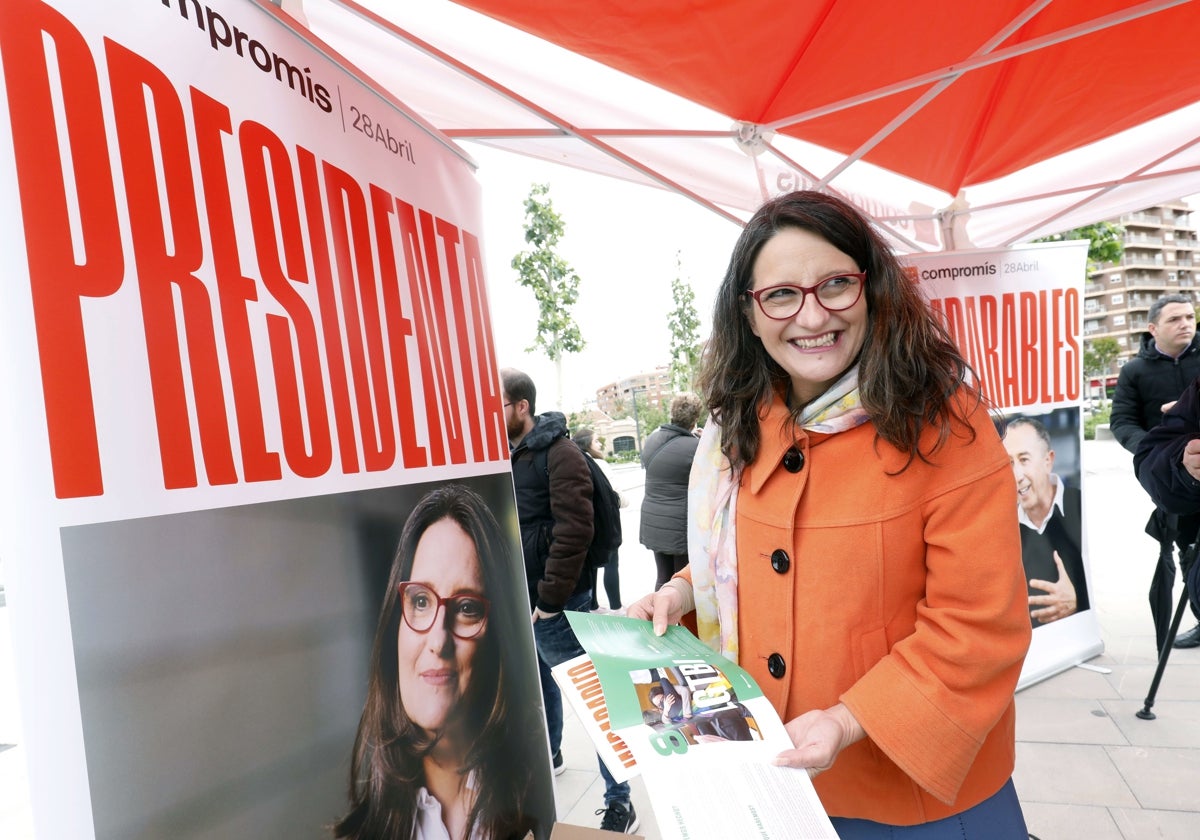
(617,397)
(1162,255)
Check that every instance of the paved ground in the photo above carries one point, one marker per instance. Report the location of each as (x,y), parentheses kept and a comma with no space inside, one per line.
(1086,766)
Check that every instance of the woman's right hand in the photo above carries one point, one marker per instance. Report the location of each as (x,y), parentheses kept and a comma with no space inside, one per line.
(666,606)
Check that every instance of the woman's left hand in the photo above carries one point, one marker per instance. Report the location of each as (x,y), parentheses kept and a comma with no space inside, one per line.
(818,737)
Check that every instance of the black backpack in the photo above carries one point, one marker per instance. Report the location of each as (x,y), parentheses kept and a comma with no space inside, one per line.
(606,509)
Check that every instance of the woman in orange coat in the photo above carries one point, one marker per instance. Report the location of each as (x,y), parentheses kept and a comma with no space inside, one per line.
(853,534)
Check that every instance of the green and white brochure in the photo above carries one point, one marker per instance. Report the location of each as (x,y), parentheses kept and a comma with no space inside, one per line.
(693,724)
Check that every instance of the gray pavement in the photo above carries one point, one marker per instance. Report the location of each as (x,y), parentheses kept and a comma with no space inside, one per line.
(1086,766)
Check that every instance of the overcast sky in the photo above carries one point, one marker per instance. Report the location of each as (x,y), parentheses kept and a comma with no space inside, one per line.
(621,239)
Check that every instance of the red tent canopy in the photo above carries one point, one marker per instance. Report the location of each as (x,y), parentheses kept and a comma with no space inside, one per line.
(942,91)
(953,123)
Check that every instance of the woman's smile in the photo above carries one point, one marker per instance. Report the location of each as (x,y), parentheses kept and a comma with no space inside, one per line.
(814,346)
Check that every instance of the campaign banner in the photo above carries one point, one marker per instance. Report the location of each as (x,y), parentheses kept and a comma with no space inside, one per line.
(1017,316)
(252,432)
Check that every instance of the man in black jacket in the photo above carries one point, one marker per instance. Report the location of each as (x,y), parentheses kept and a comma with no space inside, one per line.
(1167,463)
(1148,385)
(554,508)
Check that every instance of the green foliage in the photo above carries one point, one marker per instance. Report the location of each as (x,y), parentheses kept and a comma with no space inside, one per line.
(575,421)
(1098,354)
(1105,238)
(553,282)
(1090,422)
(650,417)
(684,323)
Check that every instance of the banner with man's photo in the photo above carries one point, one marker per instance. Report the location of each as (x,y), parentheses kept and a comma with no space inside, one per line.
(1017,315)
(257,522)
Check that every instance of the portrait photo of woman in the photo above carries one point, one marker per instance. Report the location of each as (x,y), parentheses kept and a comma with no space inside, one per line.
(446,747)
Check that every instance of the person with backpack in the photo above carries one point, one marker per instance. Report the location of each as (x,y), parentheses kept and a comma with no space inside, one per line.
(606,508)
(554,489)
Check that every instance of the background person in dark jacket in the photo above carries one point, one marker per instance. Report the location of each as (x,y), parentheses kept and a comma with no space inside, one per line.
(667,459)
(589,444)
(1148,385)
(554,507)
(1167,462)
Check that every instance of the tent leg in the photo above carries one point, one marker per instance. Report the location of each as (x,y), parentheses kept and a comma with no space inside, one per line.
(1145,713)
(1186,560)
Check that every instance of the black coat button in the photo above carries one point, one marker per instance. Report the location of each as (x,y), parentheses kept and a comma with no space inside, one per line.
(780,561)
(776,666)
(793,460)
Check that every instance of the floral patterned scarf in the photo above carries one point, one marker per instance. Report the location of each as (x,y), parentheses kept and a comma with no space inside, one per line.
(712,503)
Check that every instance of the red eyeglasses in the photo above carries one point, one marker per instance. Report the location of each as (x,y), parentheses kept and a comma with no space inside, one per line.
(786,299)
(466,615)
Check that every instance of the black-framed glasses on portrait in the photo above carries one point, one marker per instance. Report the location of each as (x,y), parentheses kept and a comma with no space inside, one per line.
(785,300)
(465,617)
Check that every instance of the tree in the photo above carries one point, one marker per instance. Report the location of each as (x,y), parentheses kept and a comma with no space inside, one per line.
(648,417)
(685,339)
(554,283)
(1098,355)
(1104,238)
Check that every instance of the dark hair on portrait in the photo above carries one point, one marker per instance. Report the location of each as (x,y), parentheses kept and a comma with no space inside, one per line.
(909,366)
(519,386)
(386,770)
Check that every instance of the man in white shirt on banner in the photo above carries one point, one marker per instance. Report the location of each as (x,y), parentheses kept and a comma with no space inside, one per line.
(1050,517)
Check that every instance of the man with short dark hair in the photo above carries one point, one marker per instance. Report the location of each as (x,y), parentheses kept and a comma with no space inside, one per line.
(554,507)
(1148,385)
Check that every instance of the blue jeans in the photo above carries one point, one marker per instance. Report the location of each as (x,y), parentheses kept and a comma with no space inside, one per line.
(556,643)
(998,817)
(552,703)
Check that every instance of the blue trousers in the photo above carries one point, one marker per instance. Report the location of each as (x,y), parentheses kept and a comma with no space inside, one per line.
(556,643)
(998,817)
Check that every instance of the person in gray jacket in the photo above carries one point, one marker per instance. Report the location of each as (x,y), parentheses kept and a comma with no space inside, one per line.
(667,459)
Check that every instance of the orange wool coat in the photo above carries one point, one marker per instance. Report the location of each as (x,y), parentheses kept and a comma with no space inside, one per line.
(902,596)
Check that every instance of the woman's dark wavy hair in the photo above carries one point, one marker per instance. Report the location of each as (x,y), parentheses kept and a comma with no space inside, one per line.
(386,770)
(909,367)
